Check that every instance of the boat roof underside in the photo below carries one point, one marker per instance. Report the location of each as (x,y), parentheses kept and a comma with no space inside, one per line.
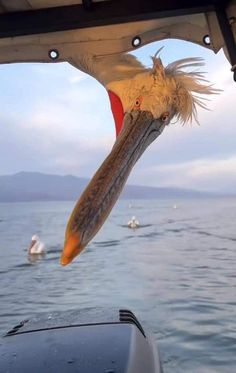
(30,29)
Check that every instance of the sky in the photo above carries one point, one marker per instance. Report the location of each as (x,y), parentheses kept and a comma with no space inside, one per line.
(57,120)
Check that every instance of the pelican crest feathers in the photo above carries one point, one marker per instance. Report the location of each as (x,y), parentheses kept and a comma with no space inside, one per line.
(180,85)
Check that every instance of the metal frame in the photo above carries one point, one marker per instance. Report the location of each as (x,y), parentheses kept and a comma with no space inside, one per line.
(90,14)
(228,37)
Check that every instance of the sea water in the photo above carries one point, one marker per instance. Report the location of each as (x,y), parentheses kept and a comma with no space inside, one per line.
(177,273)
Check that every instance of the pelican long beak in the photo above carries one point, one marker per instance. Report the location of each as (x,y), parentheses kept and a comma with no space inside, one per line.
(139,130)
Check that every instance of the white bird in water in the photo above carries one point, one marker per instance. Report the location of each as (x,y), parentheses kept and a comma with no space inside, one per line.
(143,101)
(133,223)
(36,247)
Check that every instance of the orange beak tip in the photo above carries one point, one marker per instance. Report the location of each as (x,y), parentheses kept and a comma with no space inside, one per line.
(64,260)
(62,263)
(70,250)
(69,253)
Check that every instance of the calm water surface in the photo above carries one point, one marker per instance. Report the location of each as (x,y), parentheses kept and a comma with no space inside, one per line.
(177,273)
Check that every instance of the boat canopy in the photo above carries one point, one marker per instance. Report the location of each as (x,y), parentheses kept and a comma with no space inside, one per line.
(63,30)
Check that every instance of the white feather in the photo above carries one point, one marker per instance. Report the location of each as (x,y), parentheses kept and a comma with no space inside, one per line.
(175,88)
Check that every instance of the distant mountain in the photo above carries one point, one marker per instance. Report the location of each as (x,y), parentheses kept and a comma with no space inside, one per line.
(35,186)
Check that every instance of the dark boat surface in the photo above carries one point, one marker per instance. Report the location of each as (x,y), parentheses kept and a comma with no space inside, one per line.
(92,340)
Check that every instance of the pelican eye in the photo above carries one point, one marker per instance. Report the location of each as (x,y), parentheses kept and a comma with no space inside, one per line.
(138,102)
(165,117)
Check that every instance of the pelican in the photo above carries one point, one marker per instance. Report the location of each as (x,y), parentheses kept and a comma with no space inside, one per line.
(143,101)
(36,247)
(133,223)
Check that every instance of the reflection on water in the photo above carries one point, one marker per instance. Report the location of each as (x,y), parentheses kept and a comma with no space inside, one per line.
(176,272)
(33,258)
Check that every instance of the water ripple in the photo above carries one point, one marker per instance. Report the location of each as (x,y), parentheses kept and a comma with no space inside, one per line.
(107,243)
(177,274)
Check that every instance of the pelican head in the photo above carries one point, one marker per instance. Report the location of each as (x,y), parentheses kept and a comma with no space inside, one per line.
(143,102)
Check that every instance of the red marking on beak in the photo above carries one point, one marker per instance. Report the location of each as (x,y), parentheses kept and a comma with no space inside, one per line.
(117,110)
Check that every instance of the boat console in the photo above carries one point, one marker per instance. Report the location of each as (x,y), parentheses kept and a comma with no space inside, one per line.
(91,340)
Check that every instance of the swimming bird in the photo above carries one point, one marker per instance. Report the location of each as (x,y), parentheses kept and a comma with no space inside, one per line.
(133,223)
(36,247)
(143,101)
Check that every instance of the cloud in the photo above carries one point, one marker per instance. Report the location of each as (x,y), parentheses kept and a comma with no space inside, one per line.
(77,78)
(58,124)
(69,118)
(57,72)
(35,148)
(202,174)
